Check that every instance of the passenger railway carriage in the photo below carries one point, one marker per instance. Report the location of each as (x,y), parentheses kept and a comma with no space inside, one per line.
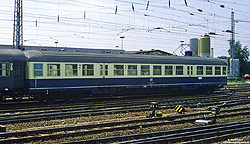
(59,73)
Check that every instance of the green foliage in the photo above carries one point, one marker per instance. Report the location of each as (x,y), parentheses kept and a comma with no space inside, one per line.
(237,81)
(239,53)
(223,57)
(242,54)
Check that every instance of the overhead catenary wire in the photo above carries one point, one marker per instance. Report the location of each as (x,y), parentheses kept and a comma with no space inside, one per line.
(155,11)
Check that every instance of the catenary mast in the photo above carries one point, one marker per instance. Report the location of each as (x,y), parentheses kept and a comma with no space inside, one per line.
(18,25)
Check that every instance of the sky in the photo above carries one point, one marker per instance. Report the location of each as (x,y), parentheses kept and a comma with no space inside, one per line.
(145,24)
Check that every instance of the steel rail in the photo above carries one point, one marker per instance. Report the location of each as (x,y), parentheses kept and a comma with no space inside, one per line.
(161,99)
(106,110)
(154,137)
(57,106)
(193,135)
(97,128)
(86,112)
(216,138)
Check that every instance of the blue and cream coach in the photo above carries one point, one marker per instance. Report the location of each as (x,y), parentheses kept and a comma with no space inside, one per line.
(60,72)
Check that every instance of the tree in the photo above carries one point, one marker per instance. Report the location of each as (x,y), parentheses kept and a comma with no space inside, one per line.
(222,57)
(242,55)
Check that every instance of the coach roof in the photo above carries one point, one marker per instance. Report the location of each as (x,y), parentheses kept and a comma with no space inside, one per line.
(11,55)
(64,56)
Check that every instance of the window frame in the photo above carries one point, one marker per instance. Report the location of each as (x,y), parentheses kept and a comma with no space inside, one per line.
(119,71)
(224,70)
(38,69)
(131,71)
(199,71)
(58,70)
(167,70)
(74,70)
(144,71)
(190,70)
(104,68)
(157,72)
(88,71)
(215,72)
(178,70)
(7,69)
(209,72)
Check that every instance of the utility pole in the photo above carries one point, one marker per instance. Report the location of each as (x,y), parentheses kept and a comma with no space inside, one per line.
(212,53)
(122,37)
(232,44)
(18,25)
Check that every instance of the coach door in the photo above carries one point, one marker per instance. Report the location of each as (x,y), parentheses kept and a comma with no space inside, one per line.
(190,70)
(104,70)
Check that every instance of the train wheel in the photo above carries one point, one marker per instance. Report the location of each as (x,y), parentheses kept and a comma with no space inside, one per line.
(41,100)
(40,97)
(50,99)
(76,98)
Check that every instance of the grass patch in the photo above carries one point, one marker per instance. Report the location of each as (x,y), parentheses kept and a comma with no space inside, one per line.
(237,80)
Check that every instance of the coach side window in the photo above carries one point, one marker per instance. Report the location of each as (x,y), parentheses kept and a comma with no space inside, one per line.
(145,70)
(199,70)
(87,69)
(179,70)
(224,71)
(132,69)
(168,70)
(105,70)
(38,69)
(70,69)
(53,69)
(118,70)
(4,70)
(217,70)
(209,70)
(156,70)
(189,70)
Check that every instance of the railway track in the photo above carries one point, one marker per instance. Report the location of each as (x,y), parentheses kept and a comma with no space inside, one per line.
(205,134)
(29,107)
(62,132)
(121,100)
(222,98)
(87,101)
(225,101)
